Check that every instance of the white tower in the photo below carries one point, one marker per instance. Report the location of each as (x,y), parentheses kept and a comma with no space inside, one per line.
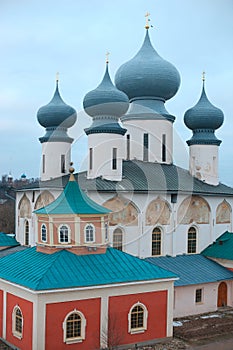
(106,104)
(56,117)
(148,80)
(203,119)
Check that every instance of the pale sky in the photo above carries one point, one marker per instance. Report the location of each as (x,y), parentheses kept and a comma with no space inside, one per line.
(39,38)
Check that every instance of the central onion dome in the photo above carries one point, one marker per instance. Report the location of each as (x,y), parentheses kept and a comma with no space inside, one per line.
(148,75)
(105,104)
(56,117)
(203,119)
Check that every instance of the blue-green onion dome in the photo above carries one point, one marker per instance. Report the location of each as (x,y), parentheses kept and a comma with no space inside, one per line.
(203,115)
(106,99)
(56,113)
(148,75)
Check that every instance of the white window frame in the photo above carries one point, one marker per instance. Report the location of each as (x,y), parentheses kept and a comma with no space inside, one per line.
(15,333)
(59,237)
(46,233)
(85,233)
(83,328)
(145,318)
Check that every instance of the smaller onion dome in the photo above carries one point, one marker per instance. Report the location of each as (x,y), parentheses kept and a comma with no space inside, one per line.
(106,99)
(56,113)
(203,119)
(105,104)
(148,74)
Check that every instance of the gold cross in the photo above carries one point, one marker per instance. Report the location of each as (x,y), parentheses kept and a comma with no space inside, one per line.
(57,76)
(107,56)
(203,76)
(147,20)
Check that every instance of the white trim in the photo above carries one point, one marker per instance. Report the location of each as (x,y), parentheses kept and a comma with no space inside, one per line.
(62,290)
(104,321)
(69,233)
(85,234)
(145,318)
(15,333)
(46,233)
(4,315)
(78,339)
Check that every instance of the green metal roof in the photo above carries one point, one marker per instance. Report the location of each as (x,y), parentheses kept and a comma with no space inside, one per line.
(222,248)
(73,201)
(63,269)
(143,177)
(7,241)
(193,269)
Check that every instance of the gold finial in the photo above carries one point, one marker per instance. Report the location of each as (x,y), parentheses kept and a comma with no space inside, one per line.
(147,26)
(57,77)
(203,76)
(71,171)
(107,57)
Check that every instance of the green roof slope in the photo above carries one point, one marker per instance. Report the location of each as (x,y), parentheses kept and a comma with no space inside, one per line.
(222,248)
(8,241)
(73,201)
(63,269)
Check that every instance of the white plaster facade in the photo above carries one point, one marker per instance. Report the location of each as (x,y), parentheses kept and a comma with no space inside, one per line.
(55,161)
(203,163)
(160,132)
(184,298)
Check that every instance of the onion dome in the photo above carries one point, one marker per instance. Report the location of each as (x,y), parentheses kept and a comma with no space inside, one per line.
(105,104)
(203,119)
(148,74)
(56,117)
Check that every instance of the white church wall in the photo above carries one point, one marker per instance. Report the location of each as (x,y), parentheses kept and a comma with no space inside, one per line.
(155,129)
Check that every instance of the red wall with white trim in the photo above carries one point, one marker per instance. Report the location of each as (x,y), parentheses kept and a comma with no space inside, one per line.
(119,307)
(27,310)
(55,315)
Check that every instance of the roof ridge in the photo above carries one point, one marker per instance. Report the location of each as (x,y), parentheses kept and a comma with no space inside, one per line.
(56,256)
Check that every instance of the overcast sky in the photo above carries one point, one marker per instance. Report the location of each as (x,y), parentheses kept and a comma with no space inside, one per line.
(39,38)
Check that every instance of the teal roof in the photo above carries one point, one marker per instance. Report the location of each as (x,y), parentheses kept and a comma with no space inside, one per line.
(222,248)
(73,201)
(63,269)
(193,269)
(7,241)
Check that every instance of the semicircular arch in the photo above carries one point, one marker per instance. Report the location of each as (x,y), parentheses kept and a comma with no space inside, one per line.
(124,211)
(194,209)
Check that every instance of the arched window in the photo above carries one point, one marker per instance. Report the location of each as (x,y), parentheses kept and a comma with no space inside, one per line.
(74,327)
(17,322)
(43,233)
(89,233)
(156,241)
(64,234)
(192,240)
(26,232)
(106,231)
(117,239)
(137,318)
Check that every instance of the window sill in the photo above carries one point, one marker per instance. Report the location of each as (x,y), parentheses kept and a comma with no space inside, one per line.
(136,331)
(74,340)
(17,335)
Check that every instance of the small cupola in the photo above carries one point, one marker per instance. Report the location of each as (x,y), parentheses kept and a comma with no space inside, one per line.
(73,221)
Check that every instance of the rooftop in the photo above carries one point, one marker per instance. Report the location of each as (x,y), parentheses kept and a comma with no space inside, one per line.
(222,248)
(192,269)
(63,269)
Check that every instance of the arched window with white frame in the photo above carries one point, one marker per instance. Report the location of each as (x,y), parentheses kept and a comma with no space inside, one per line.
(43,233)
(117,241)
(89,233)
(137,318)
(192,240)
(64,234)
(74,327)
(156,241)
(17,322)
